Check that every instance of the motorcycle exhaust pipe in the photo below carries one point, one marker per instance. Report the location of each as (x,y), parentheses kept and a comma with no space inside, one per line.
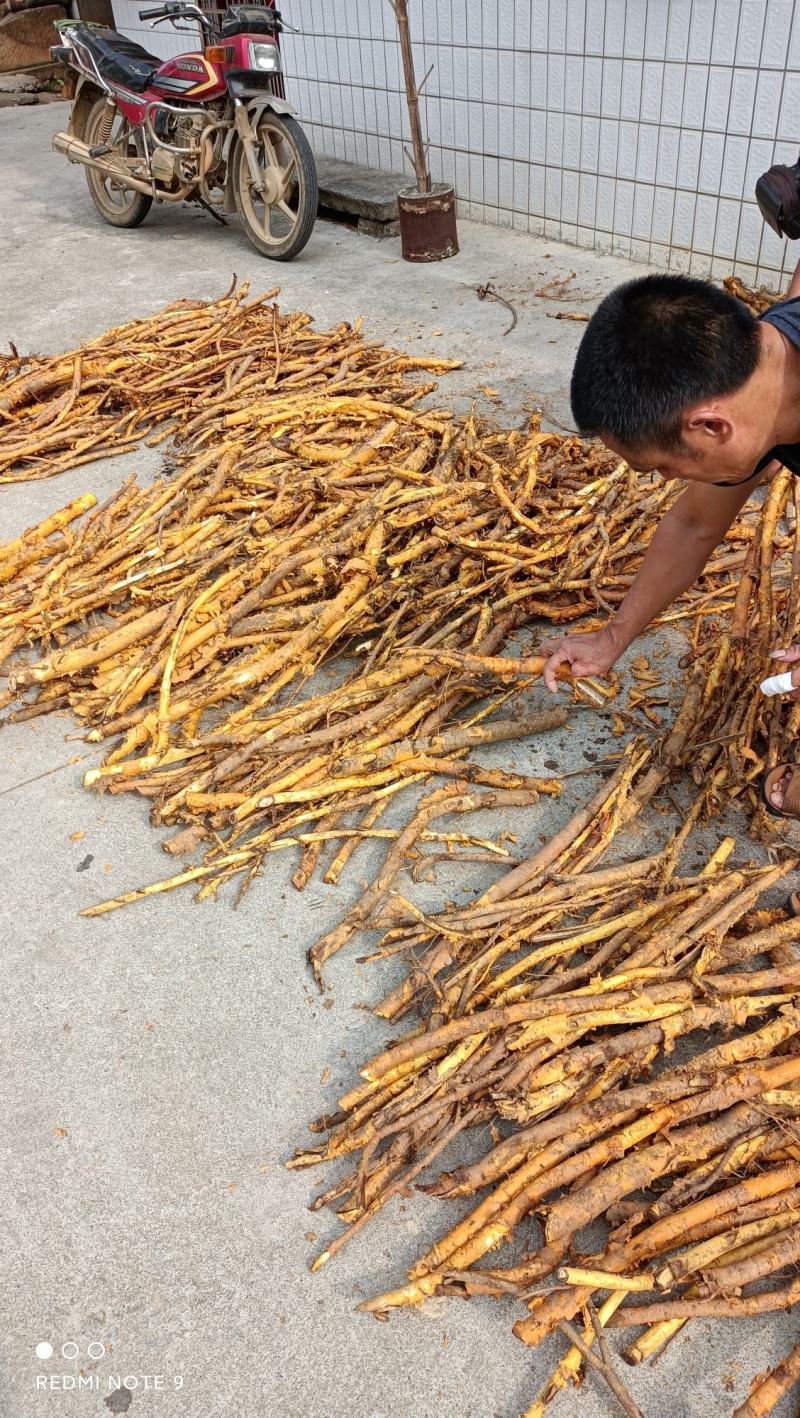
(75,150)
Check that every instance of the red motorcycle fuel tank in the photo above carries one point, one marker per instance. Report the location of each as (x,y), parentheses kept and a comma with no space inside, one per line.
(197,79)
(188,76)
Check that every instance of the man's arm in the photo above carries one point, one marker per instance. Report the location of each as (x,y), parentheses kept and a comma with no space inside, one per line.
(685,538)
(682,544)
(794,284)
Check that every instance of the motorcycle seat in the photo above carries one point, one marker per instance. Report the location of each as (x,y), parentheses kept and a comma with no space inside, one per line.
(120,60)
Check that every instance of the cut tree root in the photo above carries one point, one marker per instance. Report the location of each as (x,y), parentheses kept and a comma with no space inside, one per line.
(768,1389)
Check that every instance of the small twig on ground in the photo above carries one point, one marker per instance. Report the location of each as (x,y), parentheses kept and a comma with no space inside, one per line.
(602,1342)
(618,1389)
(556,288)
(489,290)
(59,768)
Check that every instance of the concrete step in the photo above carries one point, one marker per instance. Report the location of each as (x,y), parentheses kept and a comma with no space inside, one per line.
(368,194)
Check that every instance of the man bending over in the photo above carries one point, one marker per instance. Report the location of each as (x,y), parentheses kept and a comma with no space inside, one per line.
(680,379)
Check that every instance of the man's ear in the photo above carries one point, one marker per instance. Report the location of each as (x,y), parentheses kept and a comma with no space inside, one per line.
(707,421)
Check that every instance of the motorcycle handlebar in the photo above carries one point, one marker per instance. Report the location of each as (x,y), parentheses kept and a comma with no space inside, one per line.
(177,10)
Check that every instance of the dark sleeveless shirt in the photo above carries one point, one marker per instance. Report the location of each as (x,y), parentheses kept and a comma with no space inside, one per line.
(785,316)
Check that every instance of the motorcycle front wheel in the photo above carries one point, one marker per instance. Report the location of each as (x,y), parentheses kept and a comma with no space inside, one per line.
(279,218)
(117,205)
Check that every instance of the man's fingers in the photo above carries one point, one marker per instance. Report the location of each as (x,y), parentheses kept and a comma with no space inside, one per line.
(566,655)
(560,656)
(787,656)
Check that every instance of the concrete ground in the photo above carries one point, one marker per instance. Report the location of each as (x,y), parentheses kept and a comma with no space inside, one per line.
(164,1061)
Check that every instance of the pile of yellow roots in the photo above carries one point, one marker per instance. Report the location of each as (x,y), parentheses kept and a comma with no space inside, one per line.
(316,514)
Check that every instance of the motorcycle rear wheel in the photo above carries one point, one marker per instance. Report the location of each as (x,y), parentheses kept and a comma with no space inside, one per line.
(117,205)
(278,222)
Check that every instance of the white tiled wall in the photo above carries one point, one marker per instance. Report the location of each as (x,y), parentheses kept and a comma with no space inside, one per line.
(635,126)
(163,40)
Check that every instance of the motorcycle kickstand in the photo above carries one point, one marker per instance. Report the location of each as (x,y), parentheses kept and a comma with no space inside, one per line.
(218,217)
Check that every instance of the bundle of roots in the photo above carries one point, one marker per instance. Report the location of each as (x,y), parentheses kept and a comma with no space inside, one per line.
(314,512)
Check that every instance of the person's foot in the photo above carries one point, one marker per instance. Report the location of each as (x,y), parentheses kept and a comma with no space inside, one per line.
(778,788)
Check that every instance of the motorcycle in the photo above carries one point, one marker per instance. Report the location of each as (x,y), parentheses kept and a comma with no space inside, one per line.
(211,127)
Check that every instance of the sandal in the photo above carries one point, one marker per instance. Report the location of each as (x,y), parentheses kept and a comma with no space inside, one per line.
(791,796)
(791,799)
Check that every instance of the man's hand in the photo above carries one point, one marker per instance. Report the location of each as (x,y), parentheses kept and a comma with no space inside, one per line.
(682,543)
(591,654)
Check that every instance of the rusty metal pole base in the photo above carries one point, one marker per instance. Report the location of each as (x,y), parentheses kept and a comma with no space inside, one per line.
(427,223)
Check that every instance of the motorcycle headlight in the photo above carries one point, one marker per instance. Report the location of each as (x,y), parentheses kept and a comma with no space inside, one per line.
(264,57)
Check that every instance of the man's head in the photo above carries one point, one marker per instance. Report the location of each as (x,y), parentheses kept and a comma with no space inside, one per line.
(665,376)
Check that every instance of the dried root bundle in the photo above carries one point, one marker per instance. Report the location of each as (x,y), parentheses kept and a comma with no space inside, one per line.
(190,364)
(315,514)
(570,1066)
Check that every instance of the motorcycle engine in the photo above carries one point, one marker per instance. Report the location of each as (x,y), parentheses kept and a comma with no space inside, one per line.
(163,165)
(187,130)
(179,131)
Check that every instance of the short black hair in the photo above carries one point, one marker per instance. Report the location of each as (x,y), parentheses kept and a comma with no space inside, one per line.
(654,347)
